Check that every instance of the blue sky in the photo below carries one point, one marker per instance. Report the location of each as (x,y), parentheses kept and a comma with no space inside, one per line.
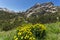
(22,5)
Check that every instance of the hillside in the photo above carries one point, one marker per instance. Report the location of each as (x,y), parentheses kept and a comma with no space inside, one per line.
(44,13)
(40,22)
(40,8)
(53,32)
(39,13)
(9,20)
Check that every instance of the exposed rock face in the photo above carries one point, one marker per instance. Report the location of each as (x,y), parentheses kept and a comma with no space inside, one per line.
(47,7)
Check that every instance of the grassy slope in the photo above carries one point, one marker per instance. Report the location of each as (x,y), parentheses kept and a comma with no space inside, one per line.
(7,35)
(53,32)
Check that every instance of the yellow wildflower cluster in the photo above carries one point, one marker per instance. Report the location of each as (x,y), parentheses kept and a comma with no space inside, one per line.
(15,38)
(41,26)
(39,30)
(29,32)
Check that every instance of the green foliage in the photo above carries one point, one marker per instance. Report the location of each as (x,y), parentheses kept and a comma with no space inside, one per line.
(53,31)
(9,21)
(14,23)
(39,30)
(7,35)
(30,32)
(44,18)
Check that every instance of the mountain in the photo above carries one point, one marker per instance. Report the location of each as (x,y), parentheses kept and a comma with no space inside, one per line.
(43,13)
(39,13)
(10,19)
(40,8)
(7,10)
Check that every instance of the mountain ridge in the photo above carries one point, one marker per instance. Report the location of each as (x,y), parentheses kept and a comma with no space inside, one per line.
(47,7)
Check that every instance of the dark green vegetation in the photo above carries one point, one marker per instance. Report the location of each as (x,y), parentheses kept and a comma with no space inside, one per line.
(44,17)
(31,32)
(9,21)
(53,32)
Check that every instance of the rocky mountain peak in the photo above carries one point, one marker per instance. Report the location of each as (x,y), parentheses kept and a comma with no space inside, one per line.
(37,4)
(49,3)
(47,7)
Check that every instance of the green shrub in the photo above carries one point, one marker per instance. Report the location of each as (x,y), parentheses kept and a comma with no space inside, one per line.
(39,30)
(30,32)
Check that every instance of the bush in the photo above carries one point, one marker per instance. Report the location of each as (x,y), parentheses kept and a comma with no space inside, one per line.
(38,30)
(30,32)
(8,25)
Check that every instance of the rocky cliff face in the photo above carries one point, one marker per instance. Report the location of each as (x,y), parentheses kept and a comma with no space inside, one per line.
(39,8)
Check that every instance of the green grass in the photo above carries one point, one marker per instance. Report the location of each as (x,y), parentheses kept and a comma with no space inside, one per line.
(53,32)
(7,35)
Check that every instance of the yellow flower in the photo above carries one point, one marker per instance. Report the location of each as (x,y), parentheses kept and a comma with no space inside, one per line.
(16,39)
(19,33)
(26,37)
(22,37)
(33,38)
(30,33)
(43,27)
(30,38)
